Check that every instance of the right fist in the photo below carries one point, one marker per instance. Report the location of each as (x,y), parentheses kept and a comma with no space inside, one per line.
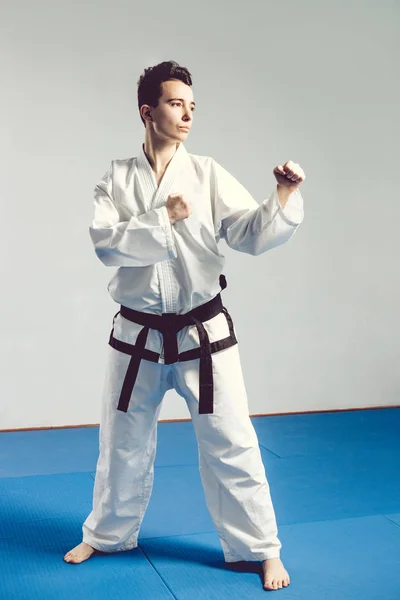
(177,207)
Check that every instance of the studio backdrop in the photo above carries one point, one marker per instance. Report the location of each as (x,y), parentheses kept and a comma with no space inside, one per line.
(312,82)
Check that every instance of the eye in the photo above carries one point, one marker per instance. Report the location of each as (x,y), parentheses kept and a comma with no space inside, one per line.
(180,104)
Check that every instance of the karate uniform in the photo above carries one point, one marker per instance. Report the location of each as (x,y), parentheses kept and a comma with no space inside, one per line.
(173,332)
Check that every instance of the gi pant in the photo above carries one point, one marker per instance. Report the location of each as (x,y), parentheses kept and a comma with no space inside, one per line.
(232,472)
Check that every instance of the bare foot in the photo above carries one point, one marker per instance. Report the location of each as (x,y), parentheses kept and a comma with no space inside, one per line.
(275,574)
(80,553)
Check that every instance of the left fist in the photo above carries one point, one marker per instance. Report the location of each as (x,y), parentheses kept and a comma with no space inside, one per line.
(290,175)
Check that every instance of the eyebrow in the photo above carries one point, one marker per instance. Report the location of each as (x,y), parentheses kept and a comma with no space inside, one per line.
(181,99)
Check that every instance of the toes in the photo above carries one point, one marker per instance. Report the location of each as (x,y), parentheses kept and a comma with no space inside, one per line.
(276,583)
(271,585)
(69,557)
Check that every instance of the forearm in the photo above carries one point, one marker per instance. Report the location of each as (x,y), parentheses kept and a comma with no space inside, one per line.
(268,226)
(142,241)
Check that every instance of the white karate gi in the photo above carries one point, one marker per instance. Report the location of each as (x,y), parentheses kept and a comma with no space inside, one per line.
(166,268)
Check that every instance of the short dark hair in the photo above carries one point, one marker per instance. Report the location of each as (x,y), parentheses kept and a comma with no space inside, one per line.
(149,84)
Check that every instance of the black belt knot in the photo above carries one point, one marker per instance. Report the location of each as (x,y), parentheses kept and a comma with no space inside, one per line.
(169,324)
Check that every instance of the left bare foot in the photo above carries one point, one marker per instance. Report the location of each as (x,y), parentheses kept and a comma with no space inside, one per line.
(275,574)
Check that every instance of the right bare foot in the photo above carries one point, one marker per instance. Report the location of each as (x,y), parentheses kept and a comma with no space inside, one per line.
(80,553)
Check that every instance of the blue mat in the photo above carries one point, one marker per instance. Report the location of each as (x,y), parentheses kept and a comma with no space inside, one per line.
(334,482)
(394,518)
(29,505)
(48,451)
(40,573)
(333,560)
(329,433)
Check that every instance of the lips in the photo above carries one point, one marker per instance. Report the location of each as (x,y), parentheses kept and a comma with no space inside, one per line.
(185,129)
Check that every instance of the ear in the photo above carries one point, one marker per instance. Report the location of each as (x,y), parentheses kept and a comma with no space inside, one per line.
(145,112)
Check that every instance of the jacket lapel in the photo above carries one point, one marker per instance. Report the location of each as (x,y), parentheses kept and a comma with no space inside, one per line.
(156,197)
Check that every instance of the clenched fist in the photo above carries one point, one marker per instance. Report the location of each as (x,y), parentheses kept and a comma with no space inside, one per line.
(178,208)
(290,175)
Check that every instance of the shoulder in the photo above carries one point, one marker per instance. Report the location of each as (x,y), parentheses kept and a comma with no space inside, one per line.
(202,164)
(123,163)
(208,162)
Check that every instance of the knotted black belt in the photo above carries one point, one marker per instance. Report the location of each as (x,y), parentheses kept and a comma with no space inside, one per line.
(169,324)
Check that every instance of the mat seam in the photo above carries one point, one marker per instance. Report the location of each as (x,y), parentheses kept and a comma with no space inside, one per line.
(391,521)
(158,573)
(268,450)
(160,537)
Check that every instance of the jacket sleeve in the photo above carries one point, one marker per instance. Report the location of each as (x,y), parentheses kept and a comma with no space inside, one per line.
(247,226)
(143,240)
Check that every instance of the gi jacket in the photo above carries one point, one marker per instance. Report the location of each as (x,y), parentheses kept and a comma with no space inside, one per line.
(175,268)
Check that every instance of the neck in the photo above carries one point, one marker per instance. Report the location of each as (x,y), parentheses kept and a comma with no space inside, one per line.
(159,152)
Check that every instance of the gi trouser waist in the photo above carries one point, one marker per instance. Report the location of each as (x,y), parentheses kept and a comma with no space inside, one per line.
(169,324)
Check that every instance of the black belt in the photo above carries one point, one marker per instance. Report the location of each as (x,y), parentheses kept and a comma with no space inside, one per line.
(169,324)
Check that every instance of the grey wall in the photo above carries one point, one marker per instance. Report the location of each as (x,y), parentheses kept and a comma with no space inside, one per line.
(312,82)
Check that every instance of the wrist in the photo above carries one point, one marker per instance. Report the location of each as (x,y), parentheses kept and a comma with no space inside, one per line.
(283,195)
(171,218)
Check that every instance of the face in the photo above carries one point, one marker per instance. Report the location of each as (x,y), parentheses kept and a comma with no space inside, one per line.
(175,110)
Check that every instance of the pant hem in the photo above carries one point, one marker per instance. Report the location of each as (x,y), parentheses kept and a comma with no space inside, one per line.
(103,548)
(253,557)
